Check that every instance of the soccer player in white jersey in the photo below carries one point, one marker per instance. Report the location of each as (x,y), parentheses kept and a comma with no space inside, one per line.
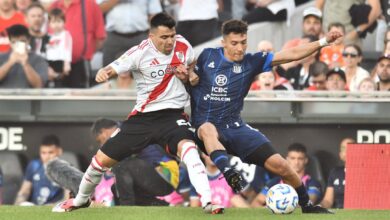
(158,64)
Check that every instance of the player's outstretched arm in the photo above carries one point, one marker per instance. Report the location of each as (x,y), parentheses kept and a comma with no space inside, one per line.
(104,74)
(302,51)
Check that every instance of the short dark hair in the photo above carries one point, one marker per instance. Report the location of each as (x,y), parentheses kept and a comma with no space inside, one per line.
(56,13)
(357,48)
(297,147)
(35,5)
(102,123)
(234,26)
(162,19)
(317,68)
(50,139)
(336,25)
(17,30)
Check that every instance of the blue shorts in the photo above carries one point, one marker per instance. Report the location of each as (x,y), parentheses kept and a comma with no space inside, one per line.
(240,140)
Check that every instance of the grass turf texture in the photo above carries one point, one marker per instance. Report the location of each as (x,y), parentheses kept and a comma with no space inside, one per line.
(179,213)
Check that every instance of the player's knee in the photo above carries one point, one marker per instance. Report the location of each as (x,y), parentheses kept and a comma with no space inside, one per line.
(207,130)
(104,161)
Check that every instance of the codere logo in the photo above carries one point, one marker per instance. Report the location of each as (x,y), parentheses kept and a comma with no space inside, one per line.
(11,138)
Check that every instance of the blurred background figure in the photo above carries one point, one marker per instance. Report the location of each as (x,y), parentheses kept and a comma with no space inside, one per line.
(268,10)
(36,188)
(382,72)
(354,73)
(22,5)
(127,24)
(198,20)
(8,16)
(265,46)
(35,18)
(58,49)
(367,85)
(317,72)
(332,55)
(334,193)
(336,80)
(1,187)
(21,68)
(298,159)
(87,37)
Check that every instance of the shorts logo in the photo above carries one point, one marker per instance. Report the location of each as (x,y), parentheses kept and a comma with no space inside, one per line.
(221,80)
(182,122)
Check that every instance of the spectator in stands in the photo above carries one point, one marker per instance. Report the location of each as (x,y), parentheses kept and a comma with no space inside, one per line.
(1,187)
(269,10)
(332,55)
(221,192)
(340,11)
(36,188)
(336,80)
(298,159)
(382,70)
(122,81)
(352,56)
(367,85)
(126,25)
(265,46)
(22,5)
(198,20)
(387,47)
(311,26)
(21,68)
(8,16)
(35,18)
(86,38)
(140,179)
(266,81)
(334,193)
(317,74)
(59,49)
(299,75)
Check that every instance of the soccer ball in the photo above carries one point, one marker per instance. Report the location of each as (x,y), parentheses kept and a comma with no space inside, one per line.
(282,199)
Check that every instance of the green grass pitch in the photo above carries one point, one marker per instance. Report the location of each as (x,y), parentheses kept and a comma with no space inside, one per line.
(177,213)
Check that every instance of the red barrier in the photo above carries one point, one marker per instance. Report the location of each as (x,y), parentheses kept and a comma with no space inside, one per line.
(367,180)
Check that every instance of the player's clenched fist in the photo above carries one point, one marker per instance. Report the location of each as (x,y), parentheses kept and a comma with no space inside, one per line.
(104,74)
(332,36)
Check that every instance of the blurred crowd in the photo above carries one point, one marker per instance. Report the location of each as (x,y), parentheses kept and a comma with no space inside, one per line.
(50,43)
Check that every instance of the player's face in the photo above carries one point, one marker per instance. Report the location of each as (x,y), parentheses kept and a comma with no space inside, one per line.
(163,38)
(48,152)
(297,160)
(234,46)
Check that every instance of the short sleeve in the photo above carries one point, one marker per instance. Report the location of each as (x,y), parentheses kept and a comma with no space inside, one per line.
(41,66)
(331,178)
(126,62)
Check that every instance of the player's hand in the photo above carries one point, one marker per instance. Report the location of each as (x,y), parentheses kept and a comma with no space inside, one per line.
(182,73)
(193,78)
(104,74)
(333,36)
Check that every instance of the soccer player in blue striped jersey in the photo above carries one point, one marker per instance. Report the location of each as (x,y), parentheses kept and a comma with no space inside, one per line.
(220,80)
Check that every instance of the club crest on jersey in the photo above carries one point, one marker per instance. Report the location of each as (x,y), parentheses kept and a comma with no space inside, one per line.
(237,69)
(221,80)
(180,56)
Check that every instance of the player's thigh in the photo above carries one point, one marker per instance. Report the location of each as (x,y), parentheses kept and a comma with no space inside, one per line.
(131,138)
(245,140)
(174,129)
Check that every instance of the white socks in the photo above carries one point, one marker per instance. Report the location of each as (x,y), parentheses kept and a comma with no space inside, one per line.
(196,172)
(90,180)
